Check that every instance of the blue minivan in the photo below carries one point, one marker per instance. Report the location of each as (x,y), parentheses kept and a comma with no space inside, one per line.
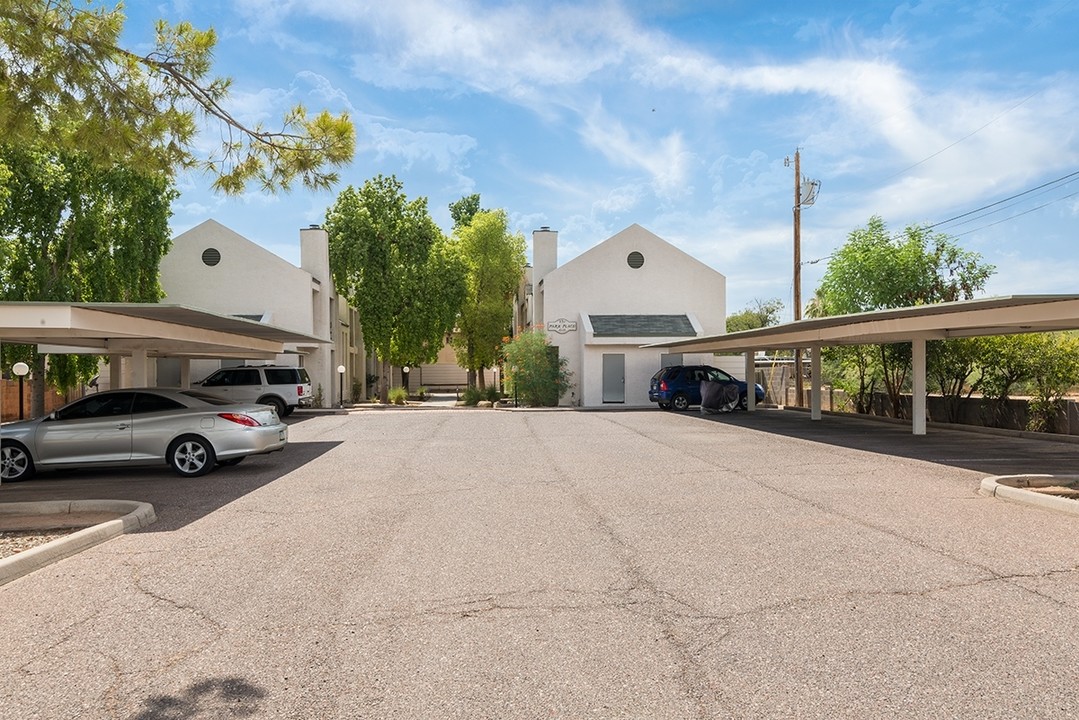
(679,386)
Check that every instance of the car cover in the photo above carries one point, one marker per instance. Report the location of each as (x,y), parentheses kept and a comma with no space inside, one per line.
(718,397)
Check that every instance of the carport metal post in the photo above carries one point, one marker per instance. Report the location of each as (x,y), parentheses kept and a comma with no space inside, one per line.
(751,380)
(918,385)
(814,393)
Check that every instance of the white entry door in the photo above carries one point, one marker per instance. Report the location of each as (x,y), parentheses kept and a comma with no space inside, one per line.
(614,378)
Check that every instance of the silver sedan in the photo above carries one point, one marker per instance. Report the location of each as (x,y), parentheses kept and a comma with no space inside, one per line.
(191,431)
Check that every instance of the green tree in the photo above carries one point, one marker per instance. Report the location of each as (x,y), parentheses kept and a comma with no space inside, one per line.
(950,364)
(1054,370)
(464,210)
(1005,365)
(854,369)
(876,271)
(397,269)
(536,373)
(72,231)
(495,260)
(66,83)
(761,313)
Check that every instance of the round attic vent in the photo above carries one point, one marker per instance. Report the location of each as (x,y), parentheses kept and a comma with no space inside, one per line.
(211,256)
(635,260)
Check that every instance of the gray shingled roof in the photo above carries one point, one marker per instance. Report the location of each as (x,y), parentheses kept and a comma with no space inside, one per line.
(642,326)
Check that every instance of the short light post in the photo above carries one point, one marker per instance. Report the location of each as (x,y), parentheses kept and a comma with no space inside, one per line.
(404,377)
(20,369)
(341,386)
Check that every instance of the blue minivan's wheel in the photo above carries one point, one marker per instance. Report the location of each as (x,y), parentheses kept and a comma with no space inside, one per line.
(664,406)
(680,402)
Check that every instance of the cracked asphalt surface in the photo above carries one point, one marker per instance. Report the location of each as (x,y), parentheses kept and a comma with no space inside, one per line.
(499,564)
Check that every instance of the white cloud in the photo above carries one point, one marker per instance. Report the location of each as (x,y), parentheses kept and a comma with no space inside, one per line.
(445,152)
(620,199)
(667,160)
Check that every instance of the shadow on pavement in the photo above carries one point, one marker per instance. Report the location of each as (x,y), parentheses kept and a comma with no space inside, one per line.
(971,449)
(177,501)
(211,698)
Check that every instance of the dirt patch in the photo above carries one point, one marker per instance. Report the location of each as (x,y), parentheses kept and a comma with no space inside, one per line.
(13,542)
(22,532)
(54,521)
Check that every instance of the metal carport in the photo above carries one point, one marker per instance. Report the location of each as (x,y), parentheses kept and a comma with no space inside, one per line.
(1005,315)
(142,331)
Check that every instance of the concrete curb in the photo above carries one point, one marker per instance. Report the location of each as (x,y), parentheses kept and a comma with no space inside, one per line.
(135,515)
(1011,488)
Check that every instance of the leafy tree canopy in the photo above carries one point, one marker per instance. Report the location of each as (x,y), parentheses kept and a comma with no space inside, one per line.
(464,210)
(761,313)
(72,231)
(65,82)
(397,269)
(876,271)
(495,259)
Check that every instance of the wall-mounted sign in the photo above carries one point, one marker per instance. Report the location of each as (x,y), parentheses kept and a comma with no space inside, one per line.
(562,326)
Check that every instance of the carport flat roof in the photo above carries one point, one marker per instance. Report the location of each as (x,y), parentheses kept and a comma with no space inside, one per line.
(1005,315)
(159,329)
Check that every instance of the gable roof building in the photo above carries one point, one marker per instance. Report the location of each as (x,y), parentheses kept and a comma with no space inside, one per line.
(215,268)
(598,309)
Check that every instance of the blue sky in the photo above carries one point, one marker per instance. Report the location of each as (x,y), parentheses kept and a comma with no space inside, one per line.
(678,115)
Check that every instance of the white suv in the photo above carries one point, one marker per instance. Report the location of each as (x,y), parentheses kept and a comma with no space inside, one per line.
(284,388)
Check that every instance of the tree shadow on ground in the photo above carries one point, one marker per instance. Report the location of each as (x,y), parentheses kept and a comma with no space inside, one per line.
(212,698)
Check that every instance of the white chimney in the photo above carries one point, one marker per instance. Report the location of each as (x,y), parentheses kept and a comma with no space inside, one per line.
(544,252)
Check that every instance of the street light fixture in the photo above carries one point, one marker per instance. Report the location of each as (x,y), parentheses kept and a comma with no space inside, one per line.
(341,386)
(20,369)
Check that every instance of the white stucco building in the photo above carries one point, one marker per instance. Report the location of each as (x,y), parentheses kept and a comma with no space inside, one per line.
(214,268)
(599,308)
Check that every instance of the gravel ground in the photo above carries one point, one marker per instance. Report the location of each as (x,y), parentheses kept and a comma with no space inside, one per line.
(15,541)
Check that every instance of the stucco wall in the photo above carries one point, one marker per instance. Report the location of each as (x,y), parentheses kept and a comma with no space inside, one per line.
(248,280)
(601,281)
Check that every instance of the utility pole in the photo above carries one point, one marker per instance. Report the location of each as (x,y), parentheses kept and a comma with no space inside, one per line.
(811,188)
(798,270)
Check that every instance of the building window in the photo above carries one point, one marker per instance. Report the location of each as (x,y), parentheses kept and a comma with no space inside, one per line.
(635,260)
(211,256)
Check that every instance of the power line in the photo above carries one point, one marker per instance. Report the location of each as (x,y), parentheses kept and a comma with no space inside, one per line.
(968,135)
(1025,212)
(1007,199)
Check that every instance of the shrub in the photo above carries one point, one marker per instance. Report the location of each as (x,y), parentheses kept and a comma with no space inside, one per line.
(535,371)
(398,396)
(421,393)
(492,393)
(471,396)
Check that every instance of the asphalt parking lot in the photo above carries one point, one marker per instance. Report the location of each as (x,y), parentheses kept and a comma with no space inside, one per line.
(504,564)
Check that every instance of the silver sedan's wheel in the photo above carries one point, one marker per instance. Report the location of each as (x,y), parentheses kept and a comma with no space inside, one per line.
(15,463)
(191,456)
